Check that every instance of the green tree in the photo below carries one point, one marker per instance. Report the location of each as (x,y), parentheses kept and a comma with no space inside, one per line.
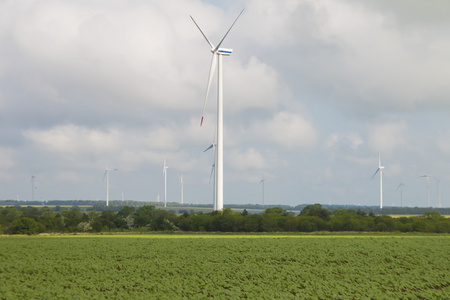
(316,210)
(26,225)
(275,210)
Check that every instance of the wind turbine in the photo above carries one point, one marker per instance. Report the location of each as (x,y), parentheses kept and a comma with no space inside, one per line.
(262,183)
(181,183)
(428,188)
(213,170)
(107,183)
(165,167)
(217,52)
(400,186)
(32,187)
(380,170)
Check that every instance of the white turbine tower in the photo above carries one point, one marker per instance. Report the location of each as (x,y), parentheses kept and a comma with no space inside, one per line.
(428,188)
(32,187)
(380,170)
(165,167)
(107,183)
(181,183)
(262,183)
(217,52)
(400,186)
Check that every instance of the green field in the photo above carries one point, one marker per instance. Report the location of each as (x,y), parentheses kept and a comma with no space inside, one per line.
(260,266)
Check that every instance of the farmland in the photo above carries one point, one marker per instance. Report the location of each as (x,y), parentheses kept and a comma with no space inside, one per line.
(263,266)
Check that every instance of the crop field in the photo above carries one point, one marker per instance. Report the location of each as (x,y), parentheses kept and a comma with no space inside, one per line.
(174,266)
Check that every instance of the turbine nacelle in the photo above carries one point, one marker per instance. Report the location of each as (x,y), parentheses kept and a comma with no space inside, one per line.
(222,51)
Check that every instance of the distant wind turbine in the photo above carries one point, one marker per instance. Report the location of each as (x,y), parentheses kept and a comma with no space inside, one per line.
(380,170)
(428,188)
(262,184)
(181,183)
(165,167)
(107,183)
(217,52)
(400,186)
(32,187)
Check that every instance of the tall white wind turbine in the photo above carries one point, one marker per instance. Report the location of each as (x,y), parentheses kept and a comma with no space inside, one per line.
(217,53)
(428,188)
(107,183)
(165,167)
(380,170)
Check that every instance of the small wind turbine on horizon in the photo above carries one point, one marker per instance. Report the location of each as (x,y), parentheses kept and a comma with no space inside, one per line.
(32,187)
(106,175)
(165,167)
(217,53)
(400,186)
(380,170)
(262,184)
(181,183)
(428,188)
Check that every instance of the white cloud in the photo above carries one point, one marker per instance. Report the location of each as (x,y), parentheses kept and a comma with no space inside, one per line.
(287,129)
(249,159)
(73,140)
(443,142)
(387,136)
(252,86)
(7,158)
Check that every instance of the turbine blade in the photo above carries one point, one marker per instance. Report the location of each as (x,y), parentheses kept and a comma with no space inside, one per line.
(209,147)
(218,46)
(211,74)
(104,175)
(212,46)
(212,171)
(375,173)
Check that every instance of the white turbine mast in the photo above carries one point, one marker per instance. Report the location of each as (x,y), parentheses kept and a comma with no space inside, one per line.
(181,183)
(262,185)
(165,167)
(107,182)
(218,52)
(428,188)
(32,187)
(400,186)
(380,170)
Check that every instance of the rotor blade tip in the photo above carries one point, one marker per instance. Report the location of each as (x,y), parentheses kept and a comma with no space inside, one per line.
(201,122)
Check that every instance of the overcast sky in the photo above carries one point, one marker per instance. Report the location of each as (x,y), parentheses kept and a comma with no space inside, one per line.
(313,92)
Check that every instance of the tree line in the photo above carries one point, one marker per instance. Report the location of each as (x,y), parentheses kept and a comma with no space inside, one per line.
(31,220)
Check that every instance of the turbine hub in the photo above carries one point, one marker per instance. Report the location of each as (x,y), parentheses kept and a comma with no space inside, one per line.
(223,51)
